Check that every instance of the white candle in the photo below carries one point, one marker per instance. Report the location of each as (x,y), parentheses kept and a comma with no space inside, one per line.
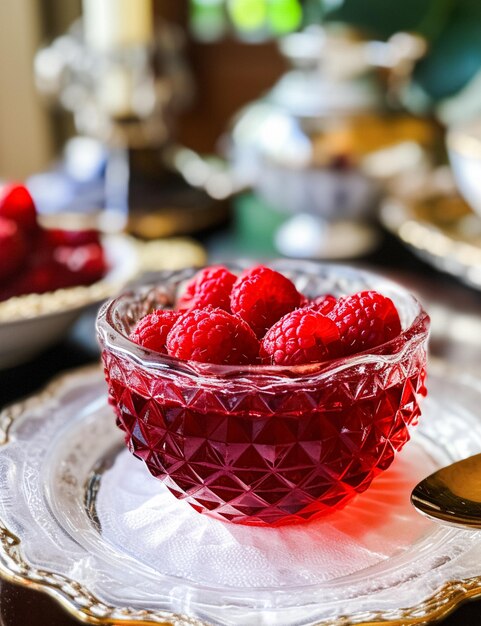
(113,24)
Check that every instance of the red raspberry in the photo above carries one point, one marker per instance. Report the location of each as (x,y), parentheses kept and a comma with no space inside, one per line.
(86,264)
(13,248)
(42,277)
(73,238)
(300,337)
(323,304)
(152,330)
(211,286)
(262,296)
(212,336)
(48,268)
(365,320)
(17,204)
(40,272)
(41,250)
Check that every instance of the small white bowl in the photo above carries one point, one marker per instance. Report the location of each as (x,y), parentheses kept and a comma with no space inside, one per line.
(33,322)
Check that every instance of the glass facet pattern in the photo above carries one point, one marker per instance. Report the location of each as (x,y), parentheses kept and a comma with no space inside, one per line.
(54,444)
(263,446)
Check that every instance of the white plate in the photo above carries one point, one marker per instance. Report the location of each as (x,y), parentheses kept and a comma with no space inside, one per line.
(31,323)
(58,449)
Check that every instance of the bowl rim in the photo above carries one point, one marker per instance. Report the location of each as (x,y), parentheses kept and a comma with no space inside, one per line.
(113,340)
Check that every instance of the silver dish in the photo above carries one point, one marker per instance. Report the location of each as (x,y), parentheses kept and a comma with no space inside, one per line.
(440,228)
(57,446)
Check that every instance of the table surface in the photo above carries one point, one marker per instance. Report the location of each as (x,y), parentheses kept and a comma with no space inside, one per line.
(450,303)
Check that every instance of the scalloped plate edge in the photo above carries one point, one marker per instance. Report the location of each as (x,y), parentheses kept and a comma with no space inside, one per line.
(85,606)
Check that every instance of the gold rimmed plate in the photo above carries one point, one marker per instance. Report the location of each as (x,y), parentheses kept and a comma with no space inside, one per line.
(61,448)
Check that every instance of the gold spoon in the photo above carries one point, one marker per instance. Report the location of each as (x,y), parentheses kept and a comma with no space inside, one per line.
(452,495)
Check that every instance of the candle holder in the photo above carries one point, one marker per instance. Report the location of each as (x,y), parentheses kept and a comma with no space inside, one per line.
(126,82)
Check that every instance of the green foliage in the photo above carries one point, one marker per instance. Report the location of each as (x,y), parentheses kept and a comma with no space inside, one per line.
(284,16)
(452,28)
(382,18)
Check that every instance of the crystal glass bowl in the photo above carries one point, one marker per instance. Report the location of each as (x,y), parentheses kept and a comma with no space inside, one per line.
(266,445)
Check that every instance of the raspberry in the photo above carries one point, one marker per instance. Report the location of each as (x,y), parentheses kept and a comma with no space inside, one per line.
(47,266)
(73,238)
(42,277)
(300,337)
(13,248)
(211,286)
(212,336)
(262,296)
(152,330)
(86,264)
(323,304)
(365,320)
(40,272)
(17,204)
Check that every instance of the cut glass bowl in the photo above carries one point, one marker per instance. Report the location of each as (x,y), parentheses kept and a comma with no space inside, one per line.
(266,445)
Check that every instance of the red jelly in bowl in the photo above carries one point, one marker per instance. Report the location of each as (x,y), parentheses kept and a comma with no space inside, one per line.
(266,445)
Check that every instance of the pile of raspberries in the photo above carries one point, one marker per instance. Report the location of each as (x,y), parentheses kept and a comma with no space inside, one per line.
(35,259)
(260,318)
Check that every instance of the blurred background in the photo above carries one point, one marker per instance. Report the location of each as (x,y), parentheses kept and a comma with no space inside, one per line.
(233,53)
(296,127)
(339,130)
